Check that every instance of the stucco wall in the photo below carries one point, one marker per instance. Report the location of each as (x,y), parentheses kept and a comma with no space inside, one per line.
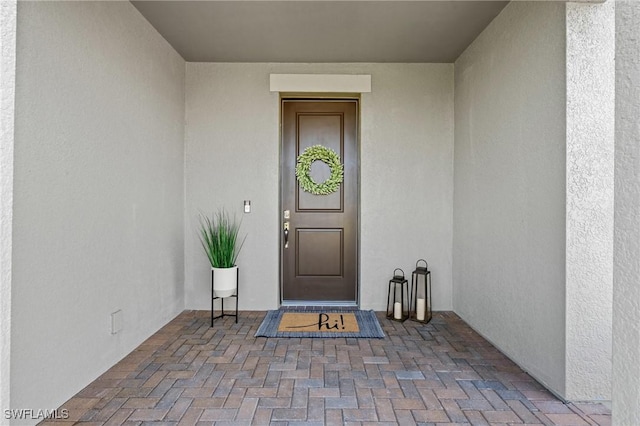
(98,219)
(232,154)
(7,107)
(626,312)
(509,187)
(590,147)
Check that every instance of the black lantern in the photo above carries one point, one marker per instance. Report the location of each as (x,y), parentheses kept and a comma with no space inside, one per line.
(397,305)
(420,299)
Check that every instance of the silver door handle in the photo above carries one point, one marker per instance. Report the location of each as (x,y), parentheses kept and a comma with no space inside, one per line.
(286,235)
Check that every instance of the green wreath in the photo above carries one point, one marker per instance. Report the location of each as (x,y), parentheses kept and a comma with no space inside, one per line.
(327,156)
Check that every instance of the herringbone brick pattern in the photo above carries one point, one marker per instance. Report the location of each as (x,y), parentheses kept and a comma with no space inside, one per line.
(439,373)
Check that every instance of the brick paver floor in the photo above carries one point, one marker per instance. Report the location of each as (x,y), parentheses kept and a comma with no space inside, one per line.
(439,373)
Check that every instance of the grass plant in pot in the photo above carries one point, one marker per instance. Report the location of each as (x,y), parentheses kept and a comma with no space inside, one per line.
(219,238)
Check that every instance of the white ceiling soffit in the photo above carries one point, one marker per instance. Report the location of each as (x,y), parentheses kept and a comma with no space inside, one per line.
(320,31)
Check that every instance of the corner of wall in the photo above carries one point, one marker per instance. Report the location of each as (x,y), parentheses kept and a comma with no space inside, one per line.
(8,10)
(626,301)
(590,63)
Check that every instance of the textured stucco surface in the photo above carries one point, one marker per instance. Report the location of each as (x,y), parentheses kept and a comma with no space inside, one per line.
(626,300)
(98,197)
(232,154)
(7,104)
(509,187)
(590,159)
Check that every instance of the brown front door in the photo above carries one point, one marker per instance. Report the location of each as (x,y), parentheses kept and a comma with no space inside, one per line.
(319,249)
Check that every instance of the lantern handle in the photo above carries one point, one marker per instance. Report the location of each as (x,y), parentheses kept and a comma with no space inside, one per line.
(426,265)
(398,269)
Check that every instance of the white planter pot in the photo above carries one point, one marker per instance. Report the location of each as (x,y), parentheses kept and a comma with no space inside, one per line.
(225,281)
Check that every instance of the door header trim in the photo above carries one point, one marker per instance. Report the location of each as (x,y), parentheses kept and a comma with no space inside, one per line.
(320,83)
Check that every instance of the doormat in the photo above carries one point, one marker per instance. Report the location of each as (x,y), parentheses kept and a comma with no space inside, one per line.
(322,323)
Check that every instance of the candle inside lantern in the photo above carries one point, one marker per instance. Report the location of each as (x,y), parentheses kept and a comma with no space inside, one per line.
(420,310)
(397,310)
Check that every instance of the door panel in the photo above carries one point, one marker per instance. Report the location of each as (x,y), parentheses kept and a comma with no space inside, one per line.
(319,252)
(319,262)
(326,130)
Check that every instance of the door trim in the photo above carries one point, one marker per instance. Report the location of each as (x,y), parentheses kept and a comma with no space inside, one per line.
(315,97)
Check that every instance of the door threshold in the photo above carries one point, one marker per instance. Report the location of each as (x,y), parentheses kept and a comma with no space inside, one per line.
(311,305)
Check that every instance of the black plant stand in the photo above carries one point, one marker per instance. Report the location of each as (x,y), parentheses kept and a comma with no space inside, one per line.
(213,299)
